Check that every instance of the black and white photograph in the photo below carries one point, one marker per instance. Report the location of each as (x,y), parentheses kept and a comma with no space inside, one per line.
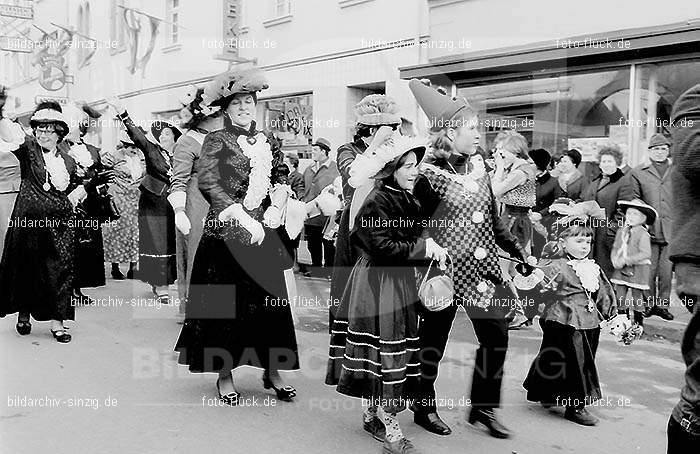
(349,226)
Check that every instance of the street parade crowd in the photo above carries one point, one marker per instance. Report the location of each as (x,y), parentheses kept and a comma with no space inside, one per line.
(405,229)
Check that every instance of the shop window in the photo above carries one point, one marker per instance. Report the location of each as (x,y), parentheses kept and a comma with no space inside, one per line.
(656,89)
(580,111)
(291,120)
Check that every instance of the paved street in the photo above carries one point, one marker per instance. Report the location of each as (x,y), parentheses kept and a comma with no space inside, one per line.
(117,389)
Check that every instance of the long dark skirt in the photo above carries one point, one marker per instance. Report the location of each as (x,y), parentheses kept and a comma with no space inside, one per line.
(90,265)
(237,310)
(374,345)
(564,371)
(38,263)
(345,258)
(157,261)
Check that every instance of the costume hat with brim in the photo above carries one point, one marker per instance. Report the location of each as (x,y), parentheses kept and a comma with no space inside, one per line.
(377,110)
(439,108)
(220,91)
(49,112)
(402,145)
(158,126)
(648,210)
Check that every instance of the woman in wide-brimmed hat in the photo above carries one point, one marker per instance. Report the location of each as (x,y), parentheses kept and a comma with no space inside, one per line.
(38,262)
(238,311)
(156,217)
(372,112)
(187,201)
(374,337)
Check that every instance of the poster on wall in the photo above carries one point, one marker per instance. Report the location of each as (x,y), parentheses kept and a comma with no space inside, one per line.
(588,146)
(290,119)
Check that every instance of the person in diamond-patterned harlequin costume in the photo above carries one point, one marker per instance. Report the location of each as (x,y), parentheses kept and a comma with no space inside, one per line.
(461,215)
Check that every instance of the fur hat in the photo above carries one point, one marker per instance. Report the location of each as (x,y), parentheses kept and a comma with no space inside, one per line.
(440,108)
(658,139)
(221,90)
(541,157)
(639,204)
(402,145)
(574,155)
(377,110)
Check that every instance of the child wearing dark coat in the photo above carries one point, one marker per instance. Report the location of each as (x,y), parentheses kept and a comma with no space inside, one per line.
(631,258)
(577,298)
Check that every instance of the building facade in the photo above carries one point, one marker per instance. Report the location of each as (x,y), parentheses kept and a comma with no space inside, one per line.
(320,57)
(574,76)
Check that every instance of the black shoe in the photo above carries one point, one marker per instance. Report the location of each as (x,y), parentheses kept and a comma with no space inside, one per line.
(61,335)
(117,274)
(659,311)
(231,398)
(285,393)
(487,417)
(130,274)
(430,421)
(580,416)
(23,327)
(375,428)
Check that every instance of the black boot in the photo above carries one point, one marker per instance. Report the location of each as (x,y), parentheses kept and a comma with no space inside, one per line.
(130,273)
(116,272)
(487,417)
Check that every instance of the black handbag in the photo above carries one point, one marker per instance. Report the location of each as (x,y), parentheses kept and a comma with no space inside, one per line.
(101,205)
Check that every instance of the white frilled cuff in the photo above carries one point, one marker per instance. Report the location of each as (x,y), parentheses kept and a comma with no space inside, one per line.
(294,217)
(17,136)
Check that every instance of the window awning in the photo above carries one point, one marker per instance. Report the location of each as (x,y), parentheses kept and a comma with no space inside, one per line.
(648,44)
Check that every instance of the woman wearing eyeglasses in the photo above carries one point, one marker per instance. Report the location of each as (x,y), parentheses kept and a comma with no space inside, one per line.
(37,266)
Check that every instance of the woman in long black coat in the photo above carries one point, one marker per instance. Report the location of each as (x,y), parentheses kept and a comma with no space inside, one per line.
(38,262)
(606,189)
(157,261)
(238,312)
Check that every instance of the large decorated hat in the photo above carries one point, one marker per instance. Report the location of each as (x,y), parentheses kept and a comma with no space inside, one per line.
(48,112)
(221,90)
(648,210)
(401,146)
(377,110)
(440,108)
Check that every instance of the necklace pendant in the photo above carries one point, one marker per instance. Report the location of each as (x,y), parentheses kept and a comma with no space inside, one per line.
(46,186)
(251,140)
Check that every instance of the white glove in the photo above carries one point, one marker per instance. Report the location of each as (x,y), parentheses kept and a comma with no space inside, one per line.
(435,252)
(279,195)
(178,200)
(236,212)
(272,217)
(328,203)
(116,104)
(77,195)
(182,222)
